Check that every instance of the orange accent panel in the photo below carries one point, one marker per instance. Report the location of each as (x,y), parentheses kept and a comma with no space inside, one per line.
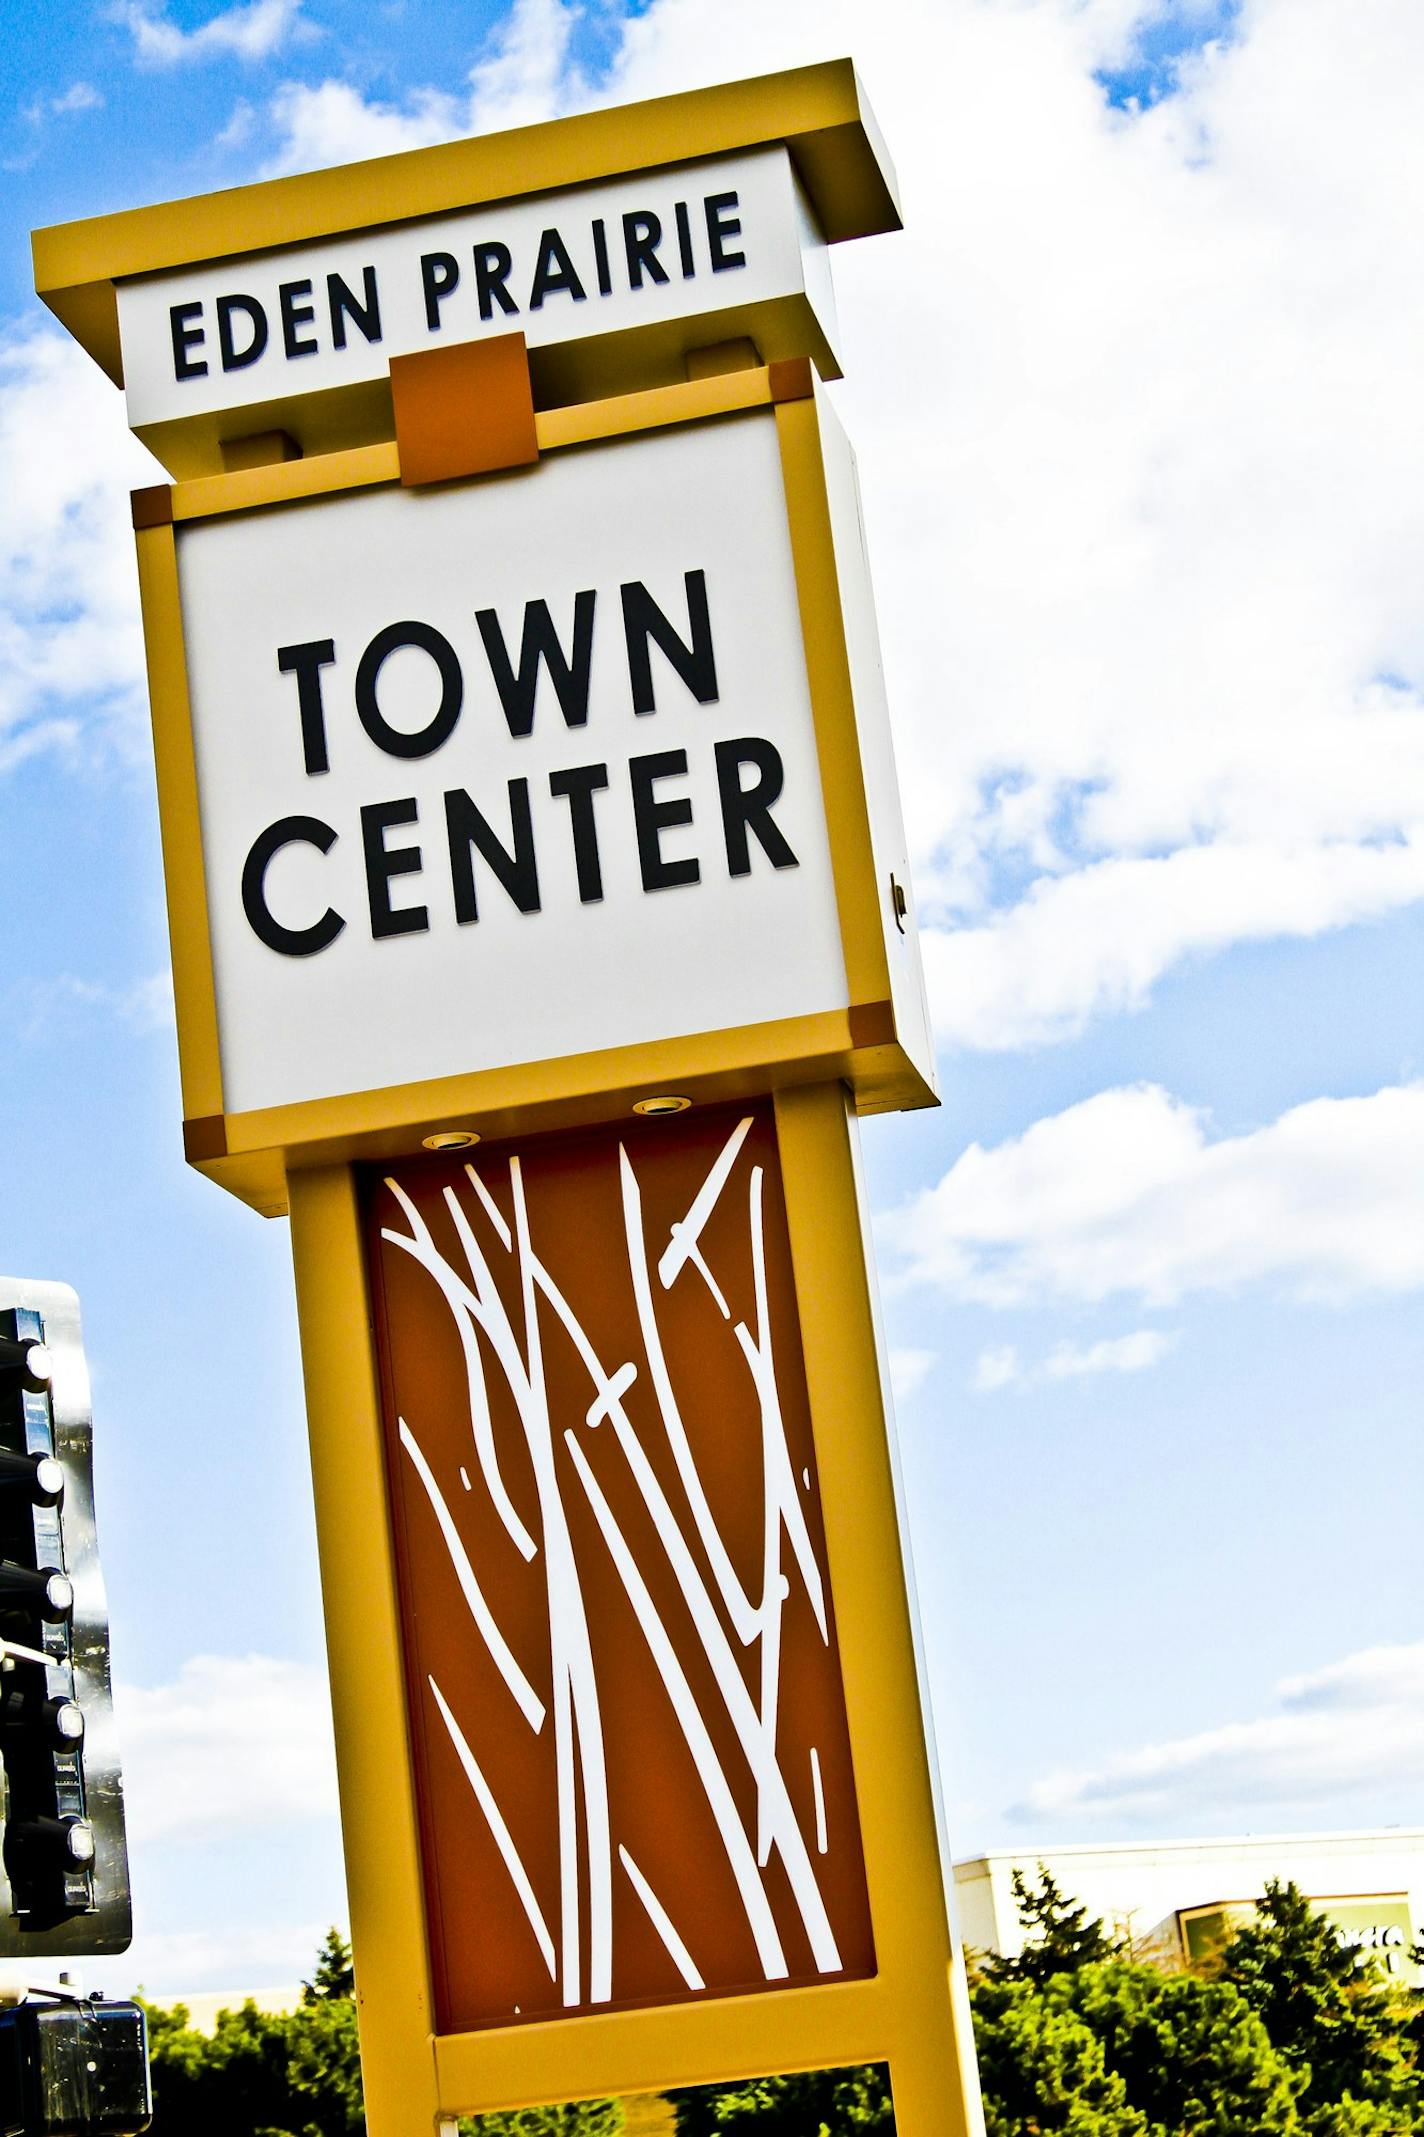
(463,410)
(152,507)
(872,1024)
(205,1137)
(792,379)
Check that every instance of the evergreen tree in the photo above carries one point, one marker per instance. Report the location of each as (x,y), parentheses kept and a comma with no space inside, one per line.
(335,1975)
(1329,2017)
(1043,2070)
(1058,1937)
(238,2080)
(583,2118)
(813,2103)
(324,2068)
(1192,2055)
(298,2073)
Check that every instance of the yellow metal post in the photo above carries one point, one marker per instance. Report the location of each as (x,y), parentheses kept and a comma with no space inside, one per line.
(930,2049)
(363,1645)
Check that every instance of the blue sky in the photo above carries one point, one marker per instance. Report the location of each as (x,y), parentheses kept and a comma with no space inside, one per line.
(1140,448)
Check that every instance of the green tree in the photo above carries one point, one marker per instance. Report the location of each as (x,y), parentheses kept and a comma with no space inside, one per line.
(1042,2069)
(1058,1936)
(1332,2019)
(298,2073)
(335,1976)
(813,2103)
(1192,2055)
(234,2082)
(324,2069)
(583,2118)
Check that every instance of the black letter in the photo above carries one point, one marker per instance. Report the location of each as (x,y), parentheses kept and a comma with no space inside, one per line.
(341,302)
(684,241)
(186,337)
(745,809)
(233,358)
(392,740)
(720,226)
(643,619)
(492,265)
(291,942)
(555,271)
(467,828)
(540,642)
(642,235)
(439,272)
(652,818)
(306,663)
(296,315)
(381,866)
(578,787)
(600,257)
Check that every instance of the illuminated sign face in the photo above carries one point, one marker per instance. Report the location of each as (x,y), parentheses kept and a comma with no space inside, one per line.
(727,235)
(507,770)
(1379,1930)
(621,1664)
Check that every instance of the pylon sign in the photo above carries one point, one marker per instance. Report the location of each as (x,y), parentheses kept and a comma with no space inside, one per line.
(541,918)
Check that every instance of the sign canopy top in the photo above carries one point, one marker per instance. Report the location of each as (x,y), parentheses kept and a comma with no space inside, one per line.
(818,113)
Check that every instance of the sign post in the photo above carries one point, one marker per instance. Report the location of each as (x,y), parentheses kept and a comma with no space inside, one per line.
(540,917)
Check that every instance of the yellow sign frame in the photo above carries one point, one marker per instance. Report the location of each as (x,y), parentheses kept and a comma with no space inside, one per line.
(913,2013)
(864,1044)
(818,113)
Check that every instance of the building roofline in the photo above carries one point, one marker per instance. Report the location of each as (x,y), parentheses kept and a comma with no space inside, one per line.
(1407,1835)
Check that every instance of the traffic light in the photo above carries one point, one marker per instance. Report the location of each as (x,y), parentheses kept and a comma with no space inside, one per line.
(64,1882)
(74,2067)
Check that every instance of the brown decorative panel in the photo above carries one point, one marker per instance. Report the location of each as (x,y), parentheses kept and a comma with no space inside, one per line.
(621,1666)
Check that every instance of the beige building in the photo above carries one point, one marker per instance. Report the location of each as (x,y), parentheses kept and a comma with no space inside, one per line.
(1174,1900)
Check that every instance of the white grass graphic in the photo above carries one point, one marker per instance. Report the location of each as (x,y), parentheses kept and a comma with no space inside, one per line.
(728,1622)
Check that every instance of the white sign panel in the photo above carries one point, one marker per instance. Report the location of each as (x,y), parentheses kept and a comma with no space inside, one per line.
(636,252)
(508,770)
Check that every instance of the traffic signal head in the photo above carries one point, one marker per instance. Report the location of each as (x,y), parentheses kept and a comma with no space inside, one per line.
(74,2067)
(64,1885)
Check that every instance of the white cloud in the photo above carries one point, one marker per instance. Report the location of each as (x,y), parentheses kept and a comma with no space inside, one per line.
(240,127)
(79,96)
(1114,1354)
(1127,1193)
(1095,941)
(253,31)
(997,1368)
(233,1742)
(71,654)
(523,75)
(333,123)
(1135,1353)
(47,1007)
(1348,1727)
(1144,463)
(909,1370)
